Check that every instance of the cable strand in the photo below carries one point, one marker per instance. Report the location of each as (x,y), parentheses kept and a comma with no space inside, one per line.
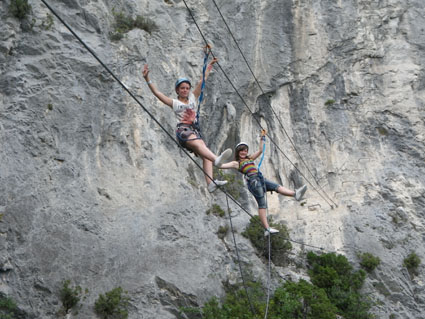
(159,124)
(252,113)
(271,107)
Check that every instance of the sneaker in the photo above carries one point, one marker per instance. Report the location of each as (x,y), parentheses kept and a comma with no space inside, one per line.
(270,231)
(299,193)
(223,157)
(213,186)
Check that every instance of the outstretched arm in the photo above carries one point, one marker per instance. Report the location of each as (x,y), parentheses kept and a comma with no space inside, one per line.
(260,150)
(162,97)
(197,89)
(232,164)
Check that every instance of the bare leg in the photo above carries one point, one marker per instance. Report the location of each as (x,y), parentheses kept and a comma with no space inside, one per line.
(284,191)
(208,168)
(263,217)
(199,147)
(208,157)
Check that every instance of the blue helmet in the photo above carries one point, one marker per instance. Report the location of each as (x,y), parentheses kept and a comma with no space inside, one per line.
(181,80)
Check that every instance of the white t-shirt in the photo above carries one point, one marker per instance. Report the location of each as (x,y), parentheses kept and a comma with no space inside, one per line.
(185,113)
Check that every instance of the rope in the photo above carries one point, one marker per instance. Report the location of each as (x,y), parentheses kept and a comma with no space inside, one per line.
(269,236)
(268,271)
(252,113)
(185,152)
(157,122)
(201,96)
(271,107)
(262,154)
(237,254)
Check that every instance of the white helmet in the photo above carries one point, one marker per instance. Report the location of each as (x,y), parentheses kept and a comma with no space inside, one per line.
(240,144)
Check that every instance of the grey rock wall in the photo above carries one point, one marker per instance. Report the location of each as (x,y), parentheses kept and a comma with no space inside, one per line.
(94,191)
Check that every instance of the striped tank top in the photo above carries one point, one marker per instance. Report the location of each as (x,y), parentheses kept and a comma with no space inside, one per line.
(247,167)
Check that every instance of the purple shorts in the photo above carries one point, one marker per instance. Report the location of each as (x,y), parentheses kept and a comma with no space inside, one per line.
(184,131)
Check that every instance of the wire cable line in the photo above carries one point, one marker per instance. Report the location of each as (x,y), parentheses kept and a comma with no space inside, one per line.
(271,107)
(269,237)
(185,152)
(157,121)
(237,255)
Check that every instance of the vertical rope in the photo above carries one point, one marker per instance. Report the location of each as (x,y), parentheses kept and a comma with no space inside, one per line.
(201,96)
(262,156)
(269,236)
(268,274)
(237,254)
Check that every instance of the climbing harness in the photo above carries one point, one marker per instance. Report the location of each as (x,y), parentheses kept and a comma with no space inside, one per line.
(183,132)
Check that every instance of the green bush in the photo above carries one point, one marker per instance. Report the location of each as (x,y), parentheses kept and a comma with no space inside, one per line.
(334,292)
(234,185)
(236,303)
(19,8)
(70,297)
(290,300)
(145,24)
(125,23)
(222,231)
(329,102)
(8,307)
(280,246)
(412,263)
(216,210)
(47,23)
(301,300)
(342,284)
(369,262)
(113,304)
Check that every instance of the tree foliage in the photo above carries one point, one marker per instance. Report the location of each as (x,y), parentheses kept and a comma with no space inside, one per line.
(280,246)
(334,292)
(19,8)
(113,304)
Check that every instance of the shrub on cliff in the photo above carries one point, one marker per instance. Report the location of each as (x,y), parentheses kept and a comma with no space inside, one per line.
(8,307)
(412,263)
(342,284)
(69,296)
(113,304)
(280,246)
(125,23)
(369,262)
(19,8)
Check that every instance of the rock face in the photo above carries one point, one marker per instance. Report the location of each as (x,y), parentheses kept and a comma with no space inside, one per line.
(93,190)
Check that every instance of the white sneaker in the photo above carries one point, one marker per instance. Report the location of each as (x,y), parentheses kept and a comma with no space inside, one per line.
(223,158)
(299,193)
(213,186)
(270,231)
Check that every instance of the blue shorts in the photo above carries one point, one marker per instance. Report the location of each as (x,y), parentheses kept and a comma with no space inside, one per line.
(258,186)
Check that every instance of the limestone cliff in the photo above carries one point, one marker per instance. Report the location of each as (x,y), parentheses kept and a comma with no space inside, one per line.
(93,190)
